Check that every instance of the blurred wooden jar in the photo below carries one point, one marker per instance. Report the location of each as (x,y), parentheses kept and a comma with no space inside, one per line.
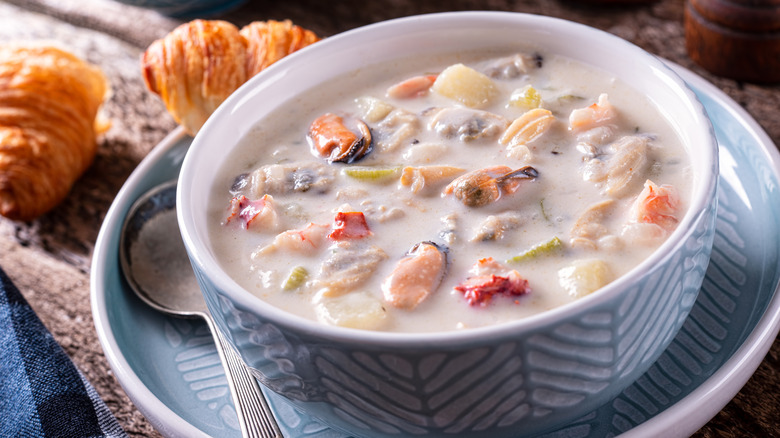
(737,39)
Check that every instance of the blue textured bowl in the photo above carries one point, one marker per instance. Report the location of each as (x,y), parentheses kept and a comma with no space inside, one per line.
(186,8)
(517,378)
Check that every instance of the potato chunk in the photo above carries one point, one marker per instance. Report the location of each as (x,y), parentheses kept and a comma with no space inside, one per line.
(584,276)
(359,310)
(372,109)
(465,85)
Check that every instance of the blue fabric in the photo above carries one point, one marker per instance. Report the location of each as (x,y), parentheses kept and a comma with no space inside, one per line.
(42,393)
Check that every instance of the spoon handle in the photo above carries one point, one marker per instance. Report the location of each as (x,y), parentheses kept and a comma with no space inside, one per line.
(254,414)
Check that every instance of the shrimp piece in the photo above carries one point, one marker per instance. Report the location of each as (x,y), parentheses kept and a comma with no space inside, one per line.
(306,241)
(259,213)
(656,205)
(487,266)
(593,116)
(491,278)
(330,138)
(416,86)
(417,178)
(416,276)
(483,186)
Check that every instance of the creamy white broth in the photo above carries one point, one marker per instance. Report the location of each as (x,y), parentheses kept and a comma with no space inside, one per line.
(541,209)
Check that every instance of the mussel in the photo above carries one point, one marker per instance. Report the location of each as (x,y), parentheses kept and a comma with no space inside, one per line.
(483,186)
(416,276)
(331,138)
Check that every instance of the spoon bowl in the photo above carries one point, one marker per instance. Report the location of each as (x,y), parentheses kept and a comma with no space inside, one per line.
(155,264)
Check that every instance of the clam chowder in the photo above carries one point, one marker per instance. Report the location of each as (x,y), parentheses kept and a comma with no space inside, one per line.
(449,193)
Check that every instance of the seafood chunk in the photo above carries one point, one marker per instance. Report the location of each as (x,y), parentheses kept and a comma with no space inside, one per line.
(349,225)
(491,278)
(598,114)
(449,231)
(425,176)
(645,234)
(331,138)
(583,277)
(466,85)
(306,241)
(286,178)
(397,127)
(413,87)
(424,152)
(524,130)
(483,186)
(527,127)
(348,266)
(494,226)
(627,166)
(259,214)
(513,66)
(359,310)
(589,227)
(656,205)
(597,136)
(467,124)
(416,276)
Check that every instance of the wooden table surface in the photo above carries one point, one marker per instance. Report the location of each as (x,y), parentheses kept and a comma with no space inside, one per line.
(49,258)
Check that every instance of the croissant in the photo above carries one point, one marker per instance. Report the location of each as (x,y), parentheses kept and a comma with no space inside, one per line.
(199,64)
(49,102)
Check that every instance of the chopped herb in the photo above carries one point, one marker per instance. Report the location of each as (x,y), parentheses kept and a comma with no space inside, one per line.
(544,212)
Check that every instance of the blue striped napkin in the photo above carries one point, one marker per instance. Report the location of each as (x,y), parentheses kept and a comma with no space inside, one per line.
(42,393)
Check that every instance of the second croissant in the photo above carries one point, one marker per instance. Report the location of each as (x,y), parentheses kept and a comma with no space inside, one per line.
(199,64)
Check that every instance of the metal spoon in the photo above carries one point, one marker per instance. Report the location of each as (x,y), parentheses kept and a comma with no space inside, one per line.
(156,266)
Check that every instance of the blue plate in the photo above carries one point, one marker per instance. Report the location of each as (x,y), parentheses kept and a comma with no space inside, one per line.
(170,369)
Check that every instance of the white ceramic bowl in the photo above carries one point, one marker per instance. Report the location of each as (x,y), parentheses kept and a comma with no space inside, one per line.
(512,379)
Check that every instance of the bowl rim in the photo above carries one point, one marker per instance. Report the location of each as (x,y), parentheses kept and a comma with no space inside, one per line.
(701,200)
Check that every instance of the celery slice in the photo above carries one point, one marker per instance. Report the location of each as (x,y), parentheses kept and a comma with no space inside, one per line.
(372,174)
(526,97)
(544,248)
(297,277)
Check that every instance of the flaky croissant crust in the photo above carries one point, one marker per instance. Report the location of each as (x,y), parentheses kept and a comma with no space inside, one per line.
(49,100)
(200,63)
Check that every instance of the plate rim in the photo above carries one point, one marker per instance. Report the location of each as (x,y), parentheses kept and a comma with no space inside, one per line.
(730,377)
(709,397)
(161,417)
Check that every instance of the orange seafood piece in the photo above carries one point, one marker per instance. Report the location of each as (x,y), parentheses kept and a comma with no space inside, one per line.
(415,276)
(249,211)
(349,225)
(597,114)
(330,137)
(413,87)
(491,278)
(657,205)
